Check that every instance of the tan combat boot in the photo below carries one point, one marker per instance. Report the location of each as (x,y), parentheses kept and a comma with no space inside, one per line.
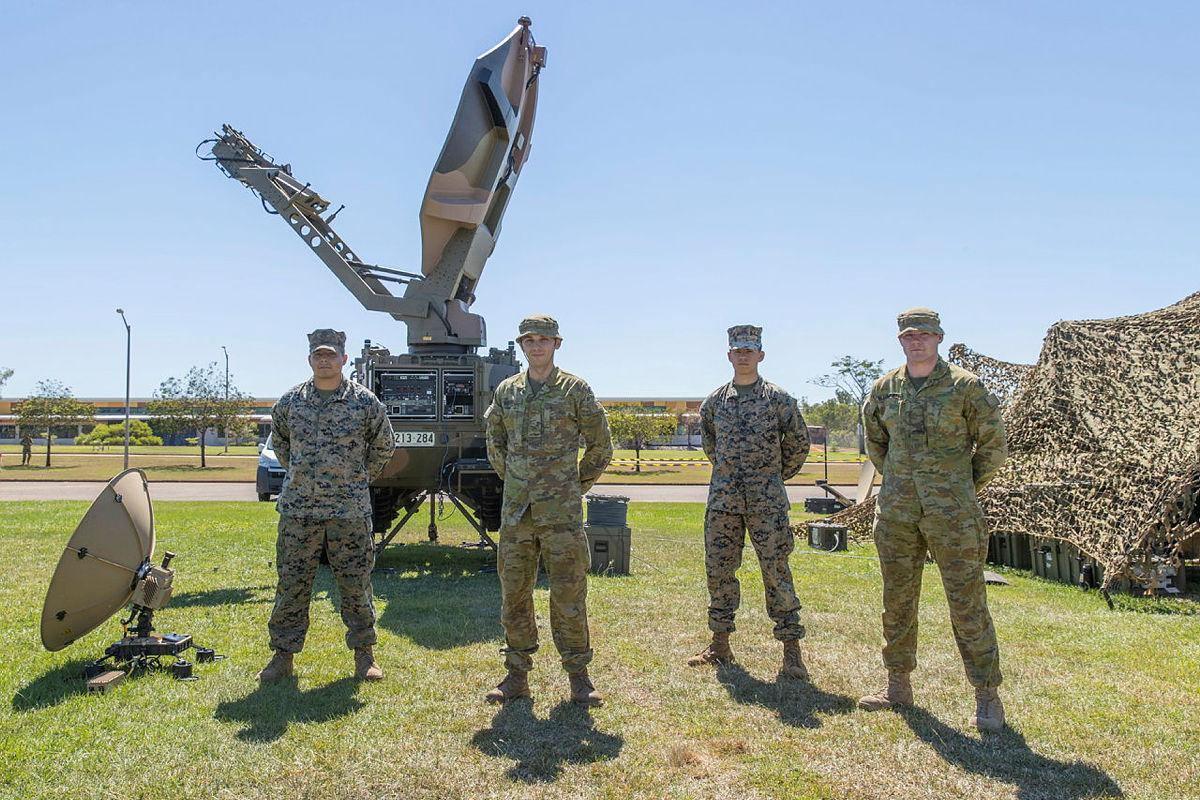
(717,652)
(514,685)
(365,668)
(793,663)
(898,692)
(989,711)
(582,690)
(279,667)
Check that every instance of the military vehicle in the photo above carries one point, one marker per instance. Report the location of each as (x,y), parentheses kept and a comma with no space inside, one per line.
(436,392)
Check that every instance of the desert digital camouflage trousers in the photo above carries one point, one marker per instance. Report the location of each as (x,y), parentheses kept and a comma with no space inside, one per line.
(564,551)
(724,540)
(351,558)
(958,546)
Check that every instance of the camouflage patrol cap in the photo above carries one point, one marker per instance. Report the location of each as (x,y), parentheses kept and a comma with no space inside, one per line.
(538,325)
(327,339)
(748,337)
(920,320)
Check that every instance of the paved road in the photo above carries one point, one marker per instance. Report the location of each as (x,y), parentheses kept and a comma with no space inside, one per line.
(168,491)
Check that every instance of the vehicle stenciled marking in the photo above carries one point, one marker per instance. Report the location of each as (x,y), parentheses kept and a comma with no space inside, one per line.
(416,439)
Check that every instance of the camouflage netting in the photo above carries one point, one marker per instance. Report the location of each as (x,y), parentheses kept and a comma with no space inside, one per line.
(1104,437)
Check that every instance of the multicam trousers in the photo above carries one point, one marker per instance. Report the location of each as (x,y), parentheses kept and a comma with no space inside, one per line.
(959,546)
(564,551)
(724,540)
(351,557)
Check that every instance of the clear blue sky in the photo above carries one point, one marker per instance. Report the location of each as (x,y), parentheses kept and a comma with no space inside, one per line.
(812,168)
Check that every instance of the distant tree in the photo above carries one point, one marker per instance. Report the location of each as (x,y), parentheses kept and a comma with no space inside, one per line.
(52,405)
(241,430)
(851,381)
(196,402)
(833,415)
(5,374)
(106,434)
(636,428)
(690,421)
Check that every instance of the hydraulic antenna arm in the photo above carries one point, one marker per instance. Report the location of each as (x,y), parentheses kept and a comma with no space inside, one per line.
(301,207)
(464,202)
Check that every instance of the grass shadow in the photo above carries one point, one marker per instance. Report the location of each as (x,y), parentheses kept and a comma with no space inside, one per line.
(1186,605)
(224,597)
(269,709)
(433,559)
(797,703)
(185,468)
(540,748)
(52,688)
(34,467)
(1007,757)
(437,596)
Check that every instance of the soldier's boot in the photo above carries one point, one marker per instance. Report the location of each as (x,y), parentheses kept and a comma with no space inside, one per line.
(514,686)
(278,668)
(898,692)
(989,711)
(582,690)
(793,663)
(717,652)
(365,668)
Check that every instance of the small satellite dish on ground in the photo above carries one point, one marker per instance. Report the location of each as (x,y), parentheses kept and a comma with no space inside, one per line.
(106,564)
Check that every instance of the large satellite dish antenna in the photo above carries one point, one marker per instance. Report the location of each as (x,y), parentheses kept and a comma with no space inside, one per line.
(102,563)
(105,566)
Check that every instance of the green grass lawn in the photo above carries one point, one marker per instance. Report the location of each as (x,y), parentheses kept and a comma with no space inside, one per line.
(173,450)
(839,473)
(1102,703)
(75,467)
(816,454)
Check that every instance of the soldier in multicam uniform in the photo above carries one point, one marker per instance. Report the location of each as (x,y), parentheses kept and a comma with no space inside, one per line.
(936,435)
(534,425)
(333,437)
(755,437)
(26,449)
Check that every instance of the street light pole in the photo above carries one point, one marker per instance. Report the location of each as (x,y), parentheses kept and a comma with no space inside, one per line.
(128,341)
(226,395)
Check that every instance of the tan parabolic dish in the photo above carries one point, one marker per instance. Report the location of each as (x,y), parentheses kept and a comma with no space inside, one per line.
(95,575)
(465,190)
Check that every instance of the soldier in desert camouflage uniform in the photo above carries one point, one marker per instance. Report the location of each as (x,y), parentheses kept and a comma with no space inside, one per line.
(333,437)
(534,425)
(755,436)
(936,436)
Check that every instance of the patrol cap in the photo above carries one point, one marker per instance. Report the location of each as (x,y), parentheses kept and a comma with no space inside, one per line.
(538,325)
(920,320)
(748,337)
(327,339)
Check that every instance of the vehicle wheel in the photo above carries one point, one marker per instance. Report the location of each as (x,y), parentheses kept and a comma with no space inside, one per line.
(385,506)
(264,497)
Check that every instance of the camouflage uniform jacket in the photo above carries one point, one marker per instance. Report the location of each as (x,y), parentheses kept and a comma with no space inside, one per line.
(935,446)
(755,443)
(533,444)
(332,449)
